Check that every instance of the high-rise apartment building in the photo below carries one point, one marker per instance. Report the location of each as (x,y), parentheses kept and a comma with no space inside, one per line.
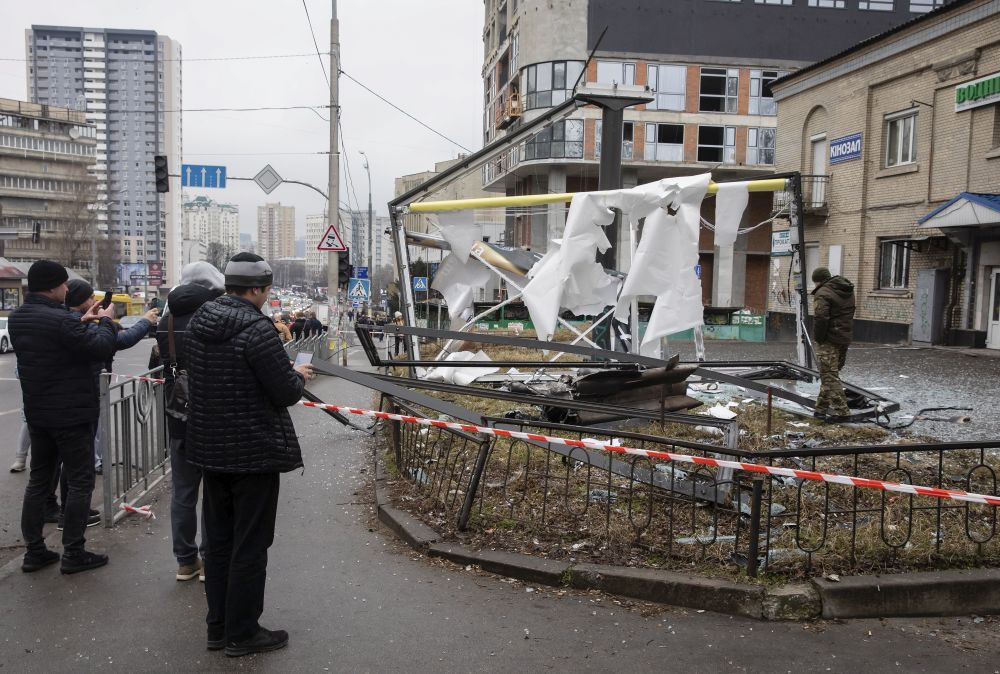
(45,156)
(707,64)
(128,82)
(316,260)
(211,222)
(275,231)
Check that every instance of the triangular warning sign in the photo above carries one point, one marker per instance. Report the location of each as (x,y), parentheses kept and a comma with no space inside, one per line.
(331,240)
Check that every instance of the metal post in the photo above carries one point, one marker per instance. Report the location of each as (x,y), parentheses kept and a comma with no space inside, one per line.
(797,220)
(474,479)
(371,228)
(107,455)
(610,176)
(754,547)
(333,189)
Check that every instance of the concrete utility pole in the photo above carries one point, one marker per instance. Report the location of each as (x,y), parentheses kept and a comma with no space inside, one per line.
(333,188)
(371,230)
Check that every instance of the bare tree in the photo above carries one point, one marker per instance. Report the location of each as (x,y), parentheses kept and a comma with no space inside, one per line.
(218,254)
(78,242)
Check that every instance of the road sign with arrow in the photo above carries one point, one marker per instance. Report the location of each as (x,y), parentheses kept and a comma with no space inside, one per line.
(331,240)
(201,175)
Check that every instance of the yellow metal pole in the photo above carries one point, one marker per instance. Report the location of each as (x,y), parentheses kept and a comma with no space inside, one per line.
(769,185)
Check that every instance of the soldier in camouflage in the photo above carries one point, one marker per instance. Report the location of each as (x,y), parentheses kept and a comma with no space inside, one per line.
(833,327)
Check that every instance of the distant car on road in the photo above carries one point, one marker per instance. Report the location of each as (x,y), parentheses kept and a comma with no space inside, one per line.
(4,337)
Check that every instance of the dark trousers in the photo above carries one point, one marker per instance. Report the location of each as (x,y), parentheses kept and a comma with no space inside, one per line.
(239,513)
(186,479)
(74,448)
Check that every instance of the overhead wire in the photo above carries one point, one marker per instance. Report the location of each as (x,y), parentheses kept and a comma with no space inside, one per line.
(399,109)
(184,60)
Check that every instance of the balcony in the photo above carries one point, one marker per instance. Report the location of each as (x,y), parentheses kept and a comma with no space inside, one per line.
(815,193)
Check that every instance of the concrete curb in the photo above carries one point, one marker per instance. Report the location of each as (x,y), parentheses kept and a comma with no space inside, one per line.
(932,593)
(940,593)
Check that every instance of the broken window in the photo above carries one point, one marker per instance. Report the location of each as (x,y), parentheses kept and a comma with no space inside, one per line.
(668,84)
(719,89)
(664,142)
(760,146)
(717,144)
(894,267)
(562,139)
(628,134)
(761,98)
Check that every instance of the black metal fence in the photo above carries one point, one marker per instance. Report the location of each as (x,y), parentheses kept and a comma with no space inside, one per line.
(568,502)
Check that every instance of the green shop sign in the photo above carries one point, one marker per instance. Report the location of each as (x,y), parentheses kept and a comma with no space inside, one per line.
(984,91)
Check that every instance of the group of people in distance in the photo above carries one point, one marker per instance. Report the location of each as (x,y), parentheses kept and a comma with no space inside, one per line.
(228,384)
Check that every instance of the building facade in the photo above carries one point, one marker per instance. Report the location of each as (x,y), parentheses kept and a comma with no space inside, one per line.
(316,260)
(904,133)
(275,231)
(707,64)
(128,82)
(46,153)
(211,222)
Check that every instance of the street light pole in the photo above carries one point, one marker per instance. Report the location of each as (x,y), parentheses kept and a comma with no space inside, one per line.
(371,229)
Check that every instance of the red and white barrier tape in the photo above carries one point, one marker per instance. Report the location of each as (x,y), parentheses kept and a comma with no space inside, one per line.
(141,510)
(952,494)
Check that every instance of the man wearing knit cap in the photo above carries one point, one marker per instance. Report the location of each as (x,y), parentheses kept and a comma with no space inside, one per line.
(56,352)
(239,433)
(833,327)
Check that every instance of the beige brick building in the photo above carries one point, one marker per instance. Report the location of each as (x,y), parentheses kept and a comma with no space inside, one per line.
(902,134)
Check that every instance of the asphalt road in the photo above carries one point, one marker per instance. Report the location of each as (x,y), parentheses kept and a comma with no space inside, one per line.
(354,600)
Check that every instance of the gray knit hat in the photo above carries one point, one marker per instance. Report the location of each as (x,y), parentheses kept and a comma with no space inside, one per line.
(246,270)
(203,274)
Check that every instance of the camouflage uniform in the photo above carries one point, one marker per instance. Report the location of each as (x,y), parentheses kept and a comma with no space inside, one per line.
(831,398)
(833,330)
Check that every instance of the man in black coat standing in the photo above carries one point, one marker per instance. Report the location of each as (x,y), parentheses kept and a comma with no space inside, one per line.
(56,353)
(240,434)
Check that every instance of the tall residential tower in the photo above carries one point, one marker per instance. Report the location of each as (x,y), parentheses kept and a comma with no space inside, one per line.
(275,231)
(128,82)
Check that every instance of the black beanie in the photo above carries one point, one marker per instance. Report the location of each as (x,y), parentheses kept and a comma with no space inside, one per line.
(45,275)
(79,292)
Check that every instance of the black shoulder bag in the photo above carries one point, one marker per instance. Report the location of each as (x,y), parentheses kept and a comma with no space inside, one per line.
(177,404)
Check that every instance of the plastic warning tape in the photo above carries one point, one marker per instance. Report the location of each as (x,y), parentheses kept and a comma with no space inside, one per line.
(952,494)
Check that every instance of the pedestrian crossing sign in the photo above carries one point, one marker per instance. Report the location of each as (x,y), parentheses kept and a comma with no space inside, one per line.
(359,289)
(420,284)
(331,240)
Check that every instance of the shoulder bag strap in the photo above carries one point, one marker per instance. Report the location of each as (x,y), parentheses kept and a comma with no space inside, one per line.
(170,341)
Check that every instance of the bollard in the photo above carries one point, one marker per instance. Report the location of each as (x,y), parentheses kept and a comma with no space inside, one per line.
(755,499)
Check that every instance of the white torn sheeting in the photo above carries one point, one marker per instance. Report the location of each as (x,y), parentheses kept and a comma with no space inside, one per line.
(720,412)
(568,275)
(456,280)
(730,203)
(664,264)
(460,230)
(463,376)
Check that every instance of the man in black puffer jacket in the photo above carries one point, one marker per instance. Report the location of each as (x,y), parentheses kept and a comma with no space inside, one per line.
(56,351)
(200,283)
(240,434)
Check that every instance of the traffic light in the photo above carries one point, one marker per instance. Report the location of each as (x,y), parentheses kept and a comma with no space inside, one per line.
(344,269)
(36,232)
(162,173)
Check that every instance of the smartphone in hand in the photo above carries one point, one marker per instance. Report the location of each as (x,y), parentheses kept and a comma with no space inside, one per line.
(106,302)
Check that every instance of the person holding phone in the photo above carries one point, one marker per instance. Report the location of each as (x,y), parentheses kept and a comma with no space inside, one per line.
(56,346)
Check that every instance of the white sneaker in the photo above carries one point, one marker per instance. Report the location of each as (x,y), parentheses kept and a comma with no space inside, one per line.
(17,466)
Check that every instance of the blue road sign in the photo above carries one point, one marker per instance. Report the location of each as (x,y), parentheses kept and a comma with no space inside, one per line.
(420,284)
(434,268)
(200,175)
(362,272)
(359,289)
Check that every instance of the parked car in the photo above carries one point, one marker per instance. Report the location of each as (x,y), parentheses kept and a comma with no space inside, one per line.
(5,345)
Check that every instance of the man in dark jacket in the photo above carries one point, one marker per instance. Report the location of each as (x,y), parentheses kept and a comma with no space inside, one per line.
(56,352)
(298,326)
(200,283)
(834,328)
(312,326)
(240,434)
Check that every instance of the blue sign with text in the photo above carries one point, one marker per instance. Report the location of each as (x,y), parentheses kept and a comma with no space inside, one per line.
(845,149)
(362,272)
(200,175)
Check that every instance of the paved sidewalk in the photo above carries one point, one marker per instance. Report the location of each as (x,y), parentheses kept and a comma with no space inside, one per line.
(356,601)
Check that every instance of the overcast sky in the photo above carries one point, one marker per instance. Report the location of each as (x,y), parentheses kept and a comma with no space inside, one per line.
(424,56)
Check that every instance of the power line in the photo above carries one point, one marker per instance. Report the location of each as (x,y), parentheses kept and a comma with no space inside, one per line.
(393,105)
(272,107)
(315,43)
(183,60)
(253,154)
